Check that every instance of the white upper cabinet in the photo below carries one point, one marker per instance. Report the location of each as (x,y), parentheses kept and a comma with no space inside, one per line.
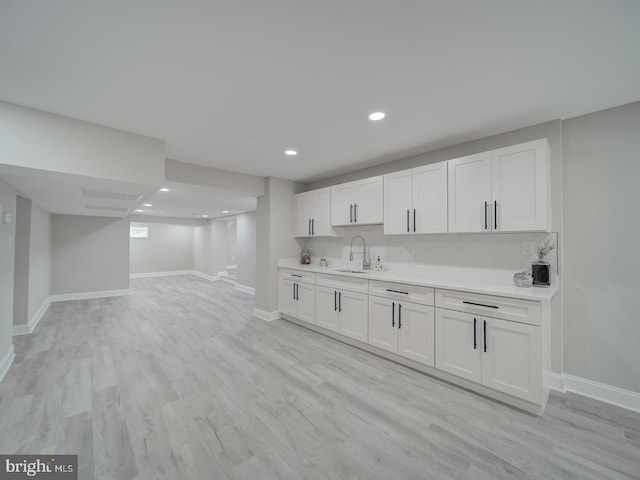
(504,190)
(470,193)
(357,203)
(430,198)
(312,213)
(520,183)
(415,200)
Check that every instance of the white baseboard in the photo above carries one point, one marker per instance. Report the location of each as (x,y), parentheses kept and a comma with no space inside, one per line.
(266,316)
(246,289)
(557,382)
(160,274)
(598,391)
(34,321)
(63,297)
(211,278)
(6,362)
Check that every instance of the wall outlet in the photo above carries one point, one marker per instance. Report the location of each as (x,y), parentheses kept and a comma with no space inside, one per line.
(527,249)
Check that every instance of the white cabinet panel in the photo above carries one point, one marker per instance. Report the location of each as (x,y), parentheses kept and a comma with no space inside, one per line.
(430,198)
(352,311)
(306,299)
(470,193)
(511,359)
(342,200)
(458,344)
(287,297)
(416,332)
(520,182)
(398,202)
(327,308)
(383,331)
(295,298)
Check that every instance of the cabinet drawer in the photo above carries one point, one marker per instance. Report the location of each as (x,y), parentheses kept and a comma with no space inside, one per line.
(298,276)
(517,310)
(402,291)
(339,282)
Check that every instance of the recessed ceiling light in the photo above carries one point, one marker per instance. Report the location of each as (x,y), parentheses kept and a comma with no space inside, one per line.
(139,210)
(290,152)
(377,116)
(147,205)
(225,211)
(164,189)
(205,216)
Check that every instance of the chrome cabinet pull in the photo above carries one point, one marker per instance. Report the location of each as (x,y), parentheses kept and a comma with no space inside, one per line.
(408,221)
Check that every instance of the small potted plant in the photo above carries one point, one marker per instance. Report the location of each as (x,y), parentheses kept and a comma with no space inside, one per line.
(540,268)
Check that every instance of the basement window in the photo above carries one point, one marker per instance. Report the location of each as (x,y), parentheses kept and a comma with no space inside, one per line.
(139,231)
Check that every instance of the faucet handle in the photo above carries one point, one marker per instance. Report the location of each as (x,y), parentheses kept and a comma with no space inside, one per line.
(366,264)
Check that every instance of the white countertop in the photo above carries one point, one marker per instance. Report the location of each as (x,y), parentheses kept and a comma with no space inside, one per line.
(475,280)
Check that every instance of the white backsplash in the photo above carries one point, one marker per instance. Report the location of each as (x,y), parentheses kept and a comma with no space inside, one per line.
(502,251)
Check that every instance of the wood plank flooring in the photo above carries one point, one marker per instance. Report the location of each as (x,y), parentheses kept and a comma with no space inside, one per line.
(178,381)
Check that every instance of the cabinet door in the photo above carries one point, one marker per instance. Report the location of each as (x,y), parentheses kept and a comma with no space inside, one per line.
(398,202)
(342,200)
(469,191)
(520,185)
(327,308)
(368,200)
(303,204)
(416,332)
(456,351)
(286,297)
(306,302)
(353,309)
(383,326)
(511,363)
(321,213)
(430,198)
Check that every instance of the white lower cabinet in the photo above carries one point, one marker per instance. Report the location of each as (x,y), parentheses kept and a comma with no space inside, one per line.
(402,327)
(499,354)
(341,309)
(296,297)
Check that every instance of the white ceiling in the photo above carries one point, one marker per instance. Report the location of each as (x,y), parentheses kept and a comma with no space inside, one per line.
(194,201)
(232,83)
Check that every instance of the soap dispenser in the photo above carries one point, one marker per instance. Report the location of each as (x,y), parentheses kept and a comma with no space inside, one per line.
(378,267)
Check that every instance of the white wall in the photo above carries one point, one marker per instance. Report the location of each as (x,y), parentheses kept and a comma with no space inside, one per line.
(232,238)
(210,247)
(601,238)
(89,254)
(7,236)
(246,249)
(168,248)
(36,139)
(176,171)
(39,259)
(32,271)
(21,262)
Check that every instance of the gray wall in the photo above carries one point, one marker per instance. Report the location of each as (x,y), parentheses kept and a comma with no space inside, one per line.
(21,263)
(39,259)
(246,249)
(601,236)
(89,254)
(274,229)
(210,247)
(467,250)
(7,238)
(168,248)
(232,240)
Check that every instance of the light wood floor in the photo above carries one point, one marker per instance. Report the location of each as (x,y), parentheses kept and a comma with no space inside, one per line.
(178,381)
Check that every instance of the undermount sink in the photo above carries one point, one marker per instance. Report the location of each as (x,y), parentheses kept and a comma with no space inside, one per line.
(346,270)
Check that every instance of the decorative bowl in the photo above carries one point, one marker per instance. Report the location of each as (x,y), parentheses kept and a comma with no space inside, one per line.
(523,279)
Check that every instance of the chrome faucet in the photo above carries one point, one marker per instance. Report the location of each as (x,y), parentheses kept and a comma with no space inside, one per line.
(366,264)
